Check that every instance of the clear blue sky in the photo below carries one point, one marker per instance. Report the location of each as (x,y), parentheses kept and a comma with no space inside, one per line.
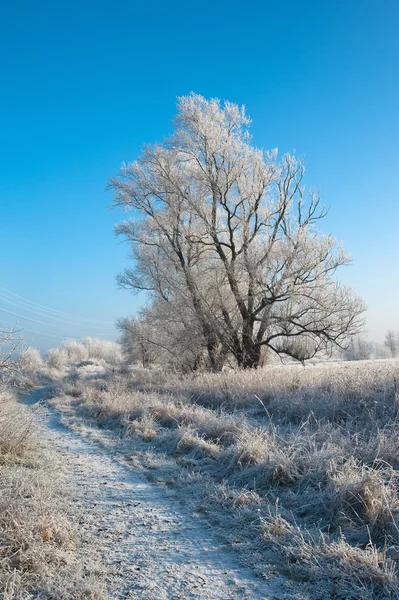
(85,84)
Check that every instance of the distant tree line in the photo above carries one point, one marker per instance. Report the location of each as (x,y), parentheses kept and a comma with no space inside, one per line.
(362,349)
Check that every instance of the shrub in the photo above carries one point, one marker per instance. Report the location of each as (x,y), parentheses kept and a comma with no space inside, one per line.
(31,359)
(57,359)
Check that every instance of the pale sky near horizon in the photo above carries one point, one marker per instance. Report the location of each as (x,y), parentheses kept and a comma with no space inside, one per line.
(86,84)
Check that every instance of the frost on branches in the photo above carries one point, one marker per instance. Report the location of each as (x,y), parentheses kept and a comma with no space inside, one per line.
(224,240)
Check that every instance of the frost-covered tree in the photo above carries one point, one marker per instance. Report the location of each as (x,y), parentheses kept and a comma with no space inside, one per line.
(9,343)
(391,342)
(162,334)
(227,230)
(137,341)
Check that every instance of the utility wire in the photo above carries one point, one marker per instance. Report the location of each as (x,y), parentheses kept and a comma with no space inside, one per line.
(33,320)
(42,313)
(58,312)
(53,335)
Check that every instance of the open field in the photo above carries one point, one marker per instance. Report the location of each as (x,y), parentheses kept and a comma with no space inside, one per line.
(296,465)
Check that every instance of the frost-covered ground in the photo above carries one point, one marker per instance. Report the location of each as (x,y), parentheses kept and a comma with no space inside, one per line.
(295,468)
(149,546)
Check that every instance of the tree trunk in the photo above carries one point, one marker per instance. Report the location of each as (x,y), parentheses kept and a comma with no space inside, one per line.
(252,358)
(216,360)
(251,350)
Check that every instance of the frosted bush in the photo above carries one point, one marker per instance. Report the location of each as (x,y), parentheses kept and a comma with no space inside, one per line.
(57,358)
(103,350)
(89,349)
(75,351)
(31,359)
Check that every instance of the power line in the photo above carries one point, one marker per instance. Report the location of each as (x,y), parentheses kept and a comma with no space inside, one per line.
(53,335)
(9,312)
(8,326)
(25,300)
(36,321)
(42,313)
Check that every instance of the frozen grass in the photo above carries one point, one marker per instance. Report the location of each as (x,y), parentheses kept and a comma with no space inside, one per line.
(16,437)
(37,541)
(303,461)
(300,386)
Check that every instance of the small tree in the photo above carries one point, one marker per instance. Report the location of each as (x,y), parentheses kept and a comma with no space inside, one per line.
(9,343)
(164,336)
(227,230)
(391,342)
(137,341)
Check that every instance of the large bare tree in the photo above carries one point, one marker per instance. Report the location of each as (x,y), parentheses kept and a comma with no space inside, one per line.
(228,229)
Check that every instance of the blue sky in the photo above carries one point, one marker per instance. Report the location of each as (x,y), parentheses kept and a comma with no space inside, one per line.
(86,84)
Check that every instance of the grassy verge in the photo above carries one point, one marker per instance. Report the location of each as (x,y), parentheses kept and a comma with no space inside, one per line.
(298,465)
(39,539)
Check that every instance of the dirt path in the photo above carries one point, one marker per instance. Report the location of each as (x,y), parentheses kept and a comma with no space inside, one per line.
(152,548)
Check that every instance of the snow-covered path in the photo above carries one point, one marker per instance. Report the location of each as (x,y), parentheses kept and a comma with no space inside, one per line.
(152,547)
